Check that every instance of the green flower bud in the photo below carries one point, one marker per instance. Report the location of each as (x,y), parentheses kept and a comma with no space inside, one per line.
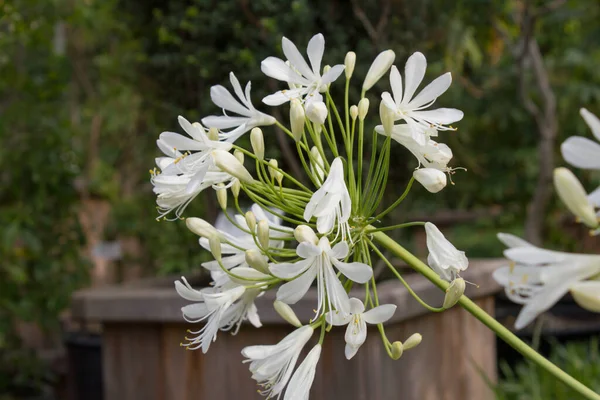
(363,108)
(297,119)
(235,188)
(256,260)
(221,195)
(413,341)
(380,66)
(263,233)
(454,292)
(251,221)
(397,350)
(286,312)
(215,246)
(258,143)
(353,112)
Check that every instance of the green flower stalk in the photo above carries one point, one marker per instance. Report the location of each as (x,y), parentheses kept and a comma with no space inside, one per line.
(324,227)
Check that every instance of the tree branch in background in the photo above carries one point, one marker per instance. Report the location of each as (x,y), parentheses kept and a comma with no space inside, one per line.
(375,33)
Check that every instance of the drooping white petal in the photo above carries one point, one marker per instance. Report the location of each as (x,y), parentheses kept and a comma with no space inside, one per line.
(380,314)
(340,250)
(292,291)
(308,250)
(581,152)
(337,318)
(185,290)
(355,271)
(356,332)
(301,382)
(290,270)
(350,351)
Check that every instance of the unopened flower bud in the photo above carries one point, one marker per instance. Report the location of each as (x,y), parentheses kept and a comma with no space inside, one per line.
(387,118)
(250,221)
(363,108)
(353,112)
(213,134)
(256,260)
(239,155)
(316,111)
(227,162)
(200,227)
(587,295)
(221,195)
(349,63)
(454,292)
(397,350)
(263,233)
(326,69)
(215,246)
(297,119)
(573,195)
(382,63)
(286,312)
(304,233)
(235,188)
(274,171)
(432,179)
(413,341)
(258,143)
(317,166)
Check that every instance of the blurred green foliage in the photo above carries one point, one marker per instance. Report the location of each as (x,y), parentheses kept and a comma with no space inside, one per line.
(526,381)
(87,86)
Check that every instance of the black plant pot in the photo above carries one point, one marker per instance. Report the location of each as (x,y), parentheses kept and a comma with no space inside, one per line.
(84,352)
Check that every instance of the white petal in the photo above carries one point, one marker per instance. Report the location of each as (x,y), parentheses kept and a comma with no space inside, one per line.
(195,311)
(325,223)
(223,99)
(223,121)
(253,317)
(277,68)
(442,116)
(308,250)
(356,332)
(414,71)
(355,271)
(180,142)
(356,306)
(315,50)
(334,289)
(283,96)
(293,291)
(432,91)
(581,152)
(295,58)
(513,241)
(535,255)
(237,88)
(290,270)
(592,121)
(185,291)
(388,101)
(396,84)
(302,380)
(332,74)
(337,318)
(340,250)
(379,315)
(350,351)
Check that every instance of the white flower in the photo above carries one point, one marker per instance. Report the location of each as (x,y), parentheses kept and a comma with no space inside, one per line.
(272,365)
(301,382)
(185,174)
(318,262)
(316,111)
(443,257)
(248,117)
(306,81)
(212,305)
(357,321)
(411,109)
(538,278)
(331,202)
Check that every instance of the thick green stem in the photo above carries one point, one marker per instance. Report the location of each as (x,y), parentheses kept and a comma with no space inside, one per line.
(502,332)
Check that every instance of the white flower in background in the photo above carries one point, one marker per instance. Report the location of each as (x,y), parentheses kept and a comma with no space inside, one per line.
(574,196)
(272,365)
(305,81)
(248,117)
(412,109)
(538,278)
(302,380)
(357,321)
(317,263)
(443,257)
(331,202)
(210,304)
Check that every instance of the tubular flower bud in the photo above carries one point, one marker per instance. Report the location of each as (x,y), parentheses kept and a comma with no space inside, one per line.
(316,111)
(235,188)
(221,195)
(572,193)
(454,292)
(215,246)
(286,312)
(251,221)
(200,227)
(587,295)
(213,134)
(304,233)
(297,119)
(274,171)
(432,179)
(413,341)
(256,260)
(397,350)
(228,163)
(263,233)
(363,108)
(387,118)
(353,112)
(382,63)
(258,143)
(239,155)
(349,63)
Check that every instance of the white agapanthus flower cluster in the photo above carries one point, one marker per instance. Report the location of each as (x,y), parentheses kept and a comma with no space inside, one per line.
(295,235)
(538,278)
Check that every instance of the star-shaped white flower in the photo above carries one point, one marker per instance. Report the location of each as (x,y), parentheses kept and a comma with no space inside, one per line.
(538,278)
(317,263)
(412,109)
(331,204)
(248,117)
(305,81)
(443,257)
(357,321)
(272,365)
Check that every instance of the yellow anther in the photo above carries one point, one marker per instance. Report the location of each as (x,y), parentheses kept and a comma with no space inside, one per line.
(511,267)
